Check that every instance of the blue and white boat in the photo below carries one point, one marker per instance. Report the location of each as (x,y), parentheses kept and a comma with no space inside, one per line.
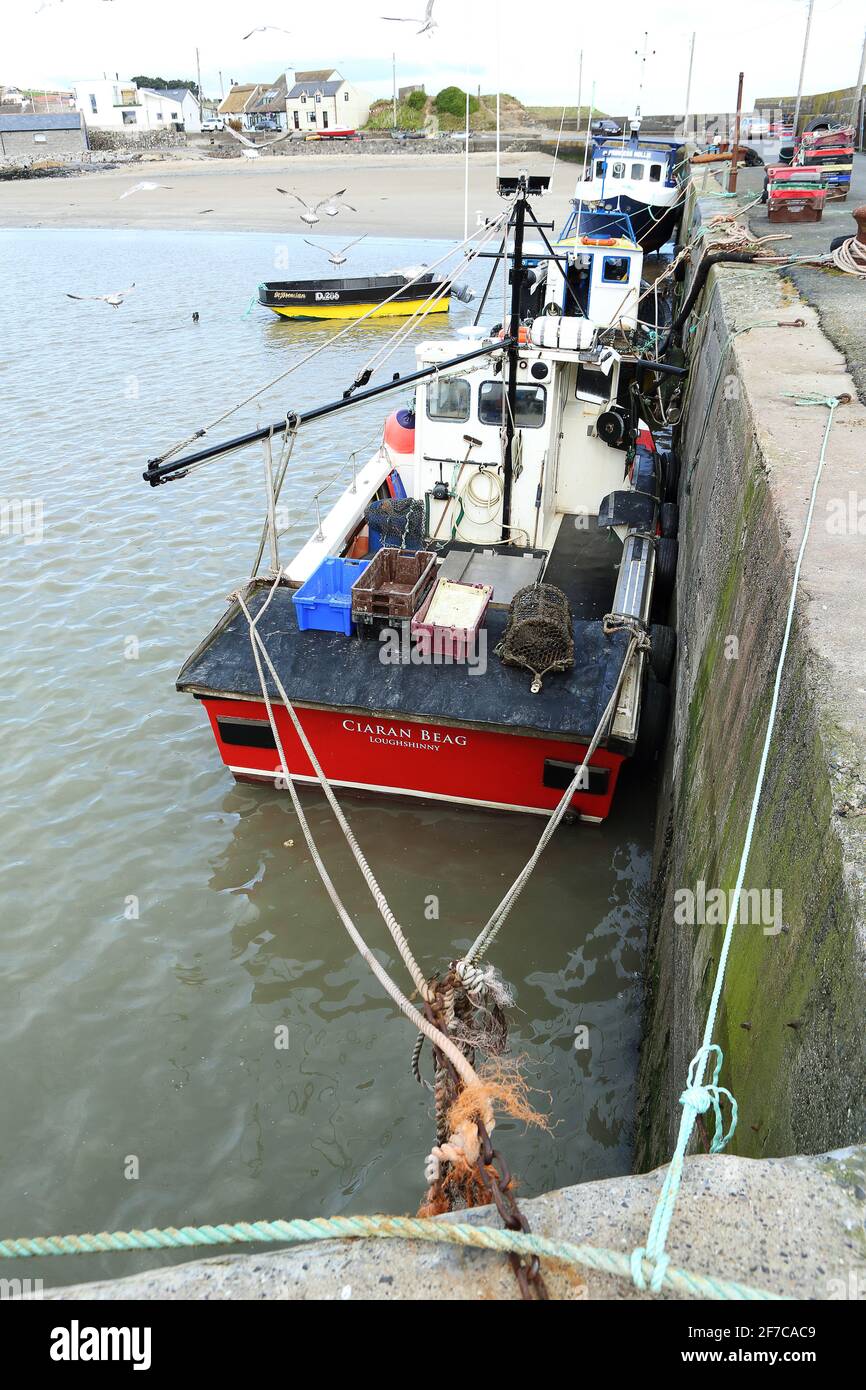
(638,176)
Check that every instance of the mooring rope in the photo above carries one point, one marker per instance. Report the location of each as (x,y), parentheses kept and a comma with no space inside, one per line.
(445,1044)
(699,1097)
(490,931)
(299,1232)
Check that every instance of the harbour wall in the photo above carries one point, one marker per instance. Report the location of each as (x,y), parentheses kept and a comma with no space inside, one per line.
(792,1012)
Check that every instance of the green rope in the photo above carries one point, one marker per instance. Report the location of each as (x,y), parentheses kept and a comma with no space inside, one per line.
(384,1228)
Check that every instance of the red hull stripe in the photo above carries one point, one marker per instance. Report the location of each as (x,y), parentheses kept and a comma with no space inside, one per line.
(412,758)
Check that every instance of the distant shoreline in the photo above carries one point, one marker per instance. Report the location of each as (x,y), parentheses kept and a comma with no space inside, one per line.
(394,195)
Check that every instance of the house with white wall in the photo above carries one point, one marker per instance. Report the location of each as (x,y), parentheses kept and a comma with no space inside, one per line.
(123,106)
(323,100)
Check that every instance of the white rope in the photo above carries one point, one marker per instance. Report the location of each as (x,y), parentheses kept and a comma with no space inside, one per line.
(850,257)
(378,896)
(488,934)
(445,1044)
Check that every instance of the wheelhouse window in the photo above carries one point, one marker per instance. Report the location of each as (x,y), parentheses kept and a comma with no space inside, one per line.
(614,270)
(599,168)
(531,405)
(637,172)
(449,399)
(618,170)
(655,173)
(592,384)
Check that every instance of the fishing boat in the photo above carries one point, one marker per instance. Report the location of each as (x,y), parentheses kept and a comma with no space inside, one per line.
(378,296)
(480,617)
(640,177)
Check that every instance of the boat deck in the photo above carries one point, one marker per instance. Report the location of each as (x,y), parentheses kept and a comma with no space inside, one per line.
(329,670)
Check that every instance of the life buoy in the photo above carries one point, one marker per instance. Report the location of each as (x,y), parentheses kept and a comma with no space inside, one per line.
(598,241)
(522,335)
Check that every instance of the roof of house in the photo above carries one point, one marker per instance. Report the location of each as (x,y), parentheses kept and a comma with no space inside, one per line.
(272,98)
(315,75)
(170,93)
(70,120)
(238,99)
(308,89)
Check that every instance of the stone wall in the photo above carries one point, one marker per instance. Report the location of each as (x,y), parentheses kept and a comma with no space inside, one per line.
(791,1023)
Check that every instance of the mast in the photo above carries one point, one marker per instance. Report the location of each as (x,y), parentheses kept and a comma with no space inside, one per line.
(518,272)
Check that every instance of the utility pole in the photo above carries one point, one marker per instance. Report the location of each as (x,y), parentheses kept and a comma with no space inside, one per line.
(222,89)
(394,74)
(735,150)
(689,86)
(198,82)
(858,91)
(803,66)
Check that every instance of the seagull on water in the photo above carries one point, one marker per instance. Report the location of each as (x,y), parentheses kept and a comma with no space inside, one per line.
(115,299)
(144,187)
(329,206)
(428,23)
(336,258)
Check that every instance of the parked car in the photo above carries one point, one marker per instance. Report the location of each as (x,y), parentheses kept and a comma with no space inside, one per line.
(215,123)
(756,129)
(606,128)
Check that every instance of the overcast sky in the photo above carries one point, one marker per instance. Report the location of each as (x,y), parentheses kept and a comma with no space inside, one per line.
(73,40)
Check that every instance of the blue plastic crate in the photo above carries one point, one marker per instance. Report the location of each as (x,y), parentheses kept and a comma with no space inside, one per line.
(324,603)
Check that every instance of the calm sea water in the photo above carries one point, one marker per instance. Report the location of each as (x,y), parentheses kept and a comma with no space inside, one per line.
(155,929)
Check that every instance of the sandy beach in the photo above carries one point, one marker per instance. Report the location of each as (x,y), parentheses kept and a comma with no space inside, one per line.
(400,195)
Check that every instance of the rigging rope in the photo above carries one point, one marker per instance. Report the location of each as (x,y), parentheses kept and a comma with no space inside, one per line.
(308,357)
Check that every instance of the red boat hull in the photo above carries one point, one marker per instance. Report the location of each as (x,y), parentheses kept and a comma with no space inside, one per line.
(500,769)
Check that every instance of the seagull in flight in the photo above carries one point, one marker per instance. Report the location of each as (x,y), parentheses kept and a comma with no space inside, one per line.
(262,27)
(253,150)
(144,187)
(115,299)
(328,206)
(428,23)
(337,258)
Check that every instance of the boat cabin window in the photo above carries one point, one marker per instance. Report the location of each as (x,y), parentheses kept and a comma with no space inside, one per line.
(531,405)
(655,173)
(614,270)
(448,399)
(618,170)
(637,171)
(592,384)
(599,168)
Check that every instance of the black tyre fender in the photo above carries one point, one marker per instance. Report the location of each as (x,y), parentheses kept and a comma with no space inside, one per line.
(667,554)
(654,715)
(669,519)
(663,650)
(671,476)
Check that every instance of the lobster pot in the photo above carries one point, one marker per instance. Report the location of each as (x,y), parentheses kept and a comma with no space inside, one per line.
(397,522)
(539,635)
